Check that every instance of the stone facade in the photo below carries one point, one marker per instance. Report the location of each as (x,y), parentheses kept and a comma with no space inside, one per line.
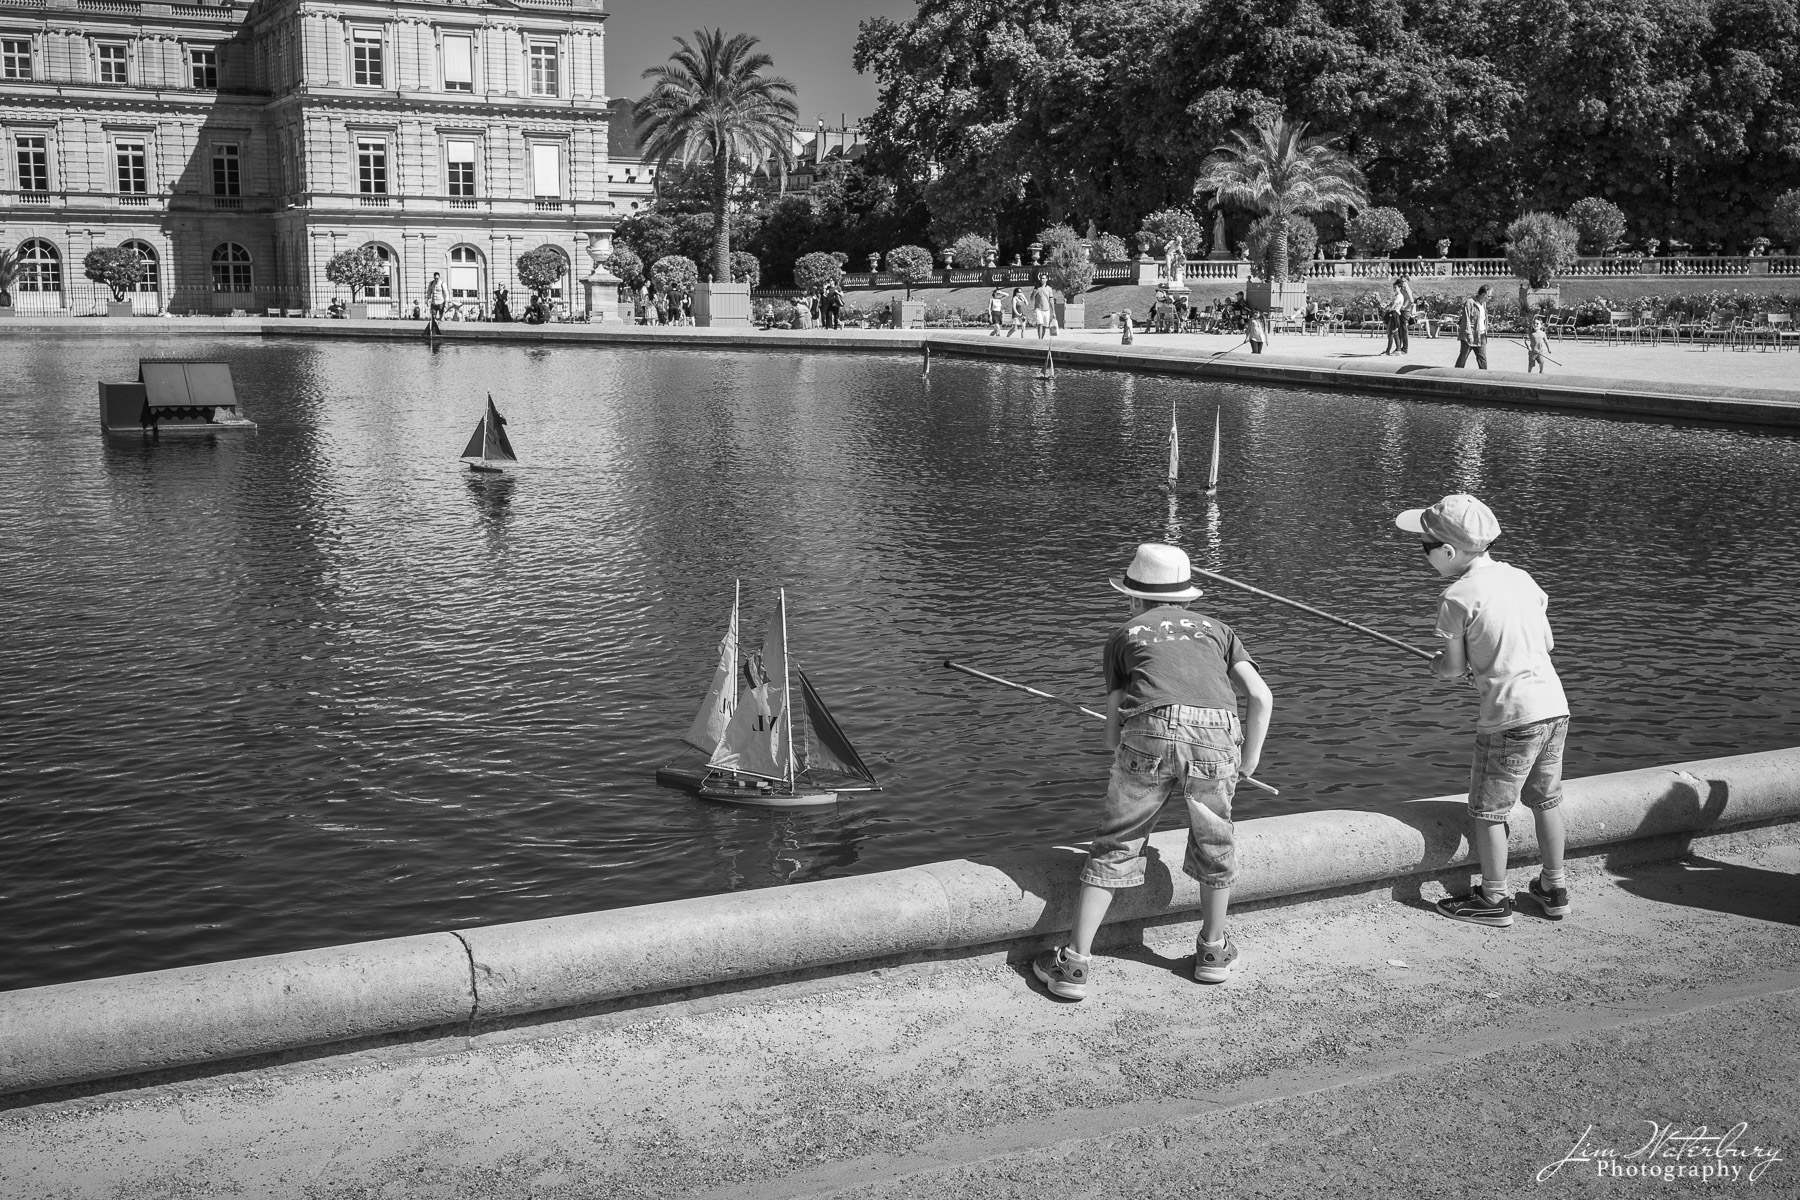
(238,146)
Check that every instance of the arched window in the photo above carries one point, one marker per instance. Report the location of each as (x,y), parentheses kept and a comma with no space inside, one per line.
(40,267)
(231,268)
(385,289)
(465,274)
(150,275)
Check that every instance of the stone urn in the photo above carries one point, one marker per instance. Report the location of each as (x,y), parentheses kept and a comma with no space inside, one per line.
(1443,247)
(987,259)
(1037,252)
(874,262)
(945,256)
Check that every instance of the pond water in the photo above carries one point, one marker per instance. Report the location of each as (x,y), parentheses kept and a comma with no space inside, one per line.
(318,684)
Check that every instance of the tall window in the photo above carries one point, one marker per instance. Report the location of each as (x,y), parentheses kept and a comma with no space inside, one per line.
(546,170)
(365,57)
(371,166)
(149,277)
(133,176)
(15,58)
(384,289)
(465,273)
(227,178)
(112,62)
(459,169)
(459,62)
(40,268)
(231,268)
(205,64)
(543,68)
(34,162)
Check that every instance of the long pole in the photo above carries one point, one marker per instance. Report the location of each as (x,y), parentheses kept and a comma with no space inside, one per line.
(1307,608)
(1239,346)
(956,666)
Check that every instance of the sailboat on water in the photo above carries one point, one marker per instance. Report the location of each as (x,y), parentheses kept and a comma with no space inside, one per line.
(760,747)
(488,449)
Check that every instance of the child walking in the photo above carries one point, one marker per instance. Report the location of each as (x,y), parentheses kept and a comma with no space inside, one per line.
(1493,621)
(1538,348)
(1255,332)
(1173,676)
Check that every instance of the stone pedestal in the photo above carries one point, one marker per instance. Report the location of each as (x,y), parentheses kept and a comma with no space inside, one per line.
(120,308)
(1148,271)
(722,305)
(1283,298)
(912,314)
(601,287)
(1071,314)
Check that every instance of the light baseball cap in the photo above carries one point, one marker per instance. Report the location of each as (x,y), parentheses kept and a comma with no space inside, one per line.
(1459,519)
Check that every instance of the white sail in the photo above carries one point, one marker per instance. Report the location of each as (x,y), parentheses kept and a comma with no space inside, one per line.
(1212,478)
(758,740)
(1174,448)
(721,698)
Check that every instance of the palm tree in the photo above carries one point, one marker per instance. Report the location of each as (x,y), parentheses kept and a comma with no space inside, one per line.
(1277,171)
(711,104)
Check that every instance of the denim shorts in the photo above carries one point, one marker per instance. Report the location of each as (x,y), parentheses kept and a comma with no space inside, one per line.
(1174,751)
(1521,763)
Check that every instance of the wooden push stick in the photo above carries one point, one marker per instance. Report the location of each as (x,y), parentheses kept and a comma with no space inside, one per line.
(1307,608)
(956,666)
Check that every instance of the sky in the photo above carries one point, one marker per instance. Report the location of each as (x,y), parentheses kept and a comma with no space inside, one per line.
(810,40)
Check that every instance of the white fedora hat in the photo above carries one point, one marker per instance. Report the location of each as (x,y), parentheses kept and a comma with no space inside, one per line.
(1158,572)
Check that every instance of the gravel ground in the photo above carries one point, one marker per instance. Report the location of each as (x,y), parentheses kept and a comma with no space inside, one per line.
(1365,1048)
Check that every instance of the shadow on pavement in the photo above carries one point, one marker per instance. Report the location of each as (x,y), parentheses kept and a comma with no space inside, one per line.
(1723,887)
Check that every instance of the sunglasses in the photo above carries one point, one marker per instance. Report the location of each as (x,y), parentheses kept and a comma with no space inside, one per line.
(1428,547)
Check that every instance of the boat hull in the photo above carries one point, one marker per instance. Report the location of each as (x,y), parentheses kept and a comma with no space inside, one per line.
(754,793)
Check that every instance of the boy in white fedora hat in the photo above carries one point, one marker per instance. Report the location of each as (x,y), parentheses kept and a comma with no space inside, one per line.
(1493,619)
(1173,676)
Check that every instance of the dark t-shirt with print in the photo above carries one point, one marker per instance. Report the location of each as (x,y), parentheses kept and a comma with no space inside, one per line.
(1173,655)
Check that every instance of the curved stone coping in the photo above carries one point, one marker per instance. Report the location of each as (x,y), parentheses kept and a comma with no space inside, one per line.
(132,1024)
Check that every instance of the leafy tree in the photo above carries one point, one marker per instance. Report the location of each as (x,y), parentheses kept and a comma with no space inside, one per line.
(911,263)
(1784,218)
(1166,224)
(627,266)
(1599,223)
(1110,247)
(359,270)
(745,268)
(812,271)
(1302,240)
(972,250)
(9,274)
(1539,247)
(711,104)
(1069,268)
(1377,231)
(541,269)
(673,275)
(116,267)
(1275,170)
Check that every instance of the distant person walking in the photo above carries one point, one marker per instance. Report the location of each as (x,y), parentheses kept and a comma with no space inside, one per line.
(1254,331)
(435,295)
(1472,329)
(997,311)
(1018,314)
(1043,303)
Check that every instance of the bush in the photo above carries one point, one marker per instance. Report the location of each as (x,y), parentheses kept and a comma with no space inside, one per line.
(359,269)
(674,275)
(1069,269)
(1539,247)
(1377,232)
(627,266)
(812,271)
(1785,218)
(116,267)
(1259,243)
(541,269)
(1168,223)
(912,264)
(971,250)
(1109,247)
(1057,235)
(1600,224)
(745,268)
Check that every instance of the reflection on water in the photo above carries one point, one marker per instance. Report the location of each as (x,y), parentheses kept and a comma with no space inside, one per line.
(321,683)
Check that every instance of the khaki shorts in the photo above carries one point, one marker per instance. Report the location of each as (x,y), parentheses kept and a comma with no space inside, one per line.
(1167,752)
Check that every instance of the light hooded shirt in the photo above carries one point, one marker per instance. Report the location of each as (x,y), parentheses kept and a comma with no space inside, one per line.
(1501,615)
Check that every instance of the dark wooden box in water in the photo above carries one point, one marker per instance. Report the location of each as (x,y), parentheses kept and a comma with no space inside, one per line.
(173,395)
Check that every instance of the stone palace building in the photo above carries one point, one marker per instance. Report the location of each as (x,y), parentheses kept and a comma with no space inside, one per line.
(237,146)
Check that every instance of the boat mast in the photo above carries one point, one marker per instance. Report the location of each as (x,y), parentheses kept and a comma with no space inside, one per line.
(787,698)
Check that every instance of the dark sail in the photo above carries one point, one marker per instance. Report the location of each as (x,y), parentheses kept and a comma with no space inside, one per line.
(826,746)
(498,448)
(473,449)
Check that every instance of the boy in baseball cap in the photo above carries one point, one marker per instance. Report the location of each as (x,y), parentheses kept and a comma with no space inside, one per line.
(1492,619)
(1173,676)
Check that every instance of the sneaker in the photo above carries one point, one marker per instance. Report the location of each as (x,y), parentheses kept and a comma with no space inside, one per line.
(1477,909)
(1554,901)
(1063,973)
(1213,963)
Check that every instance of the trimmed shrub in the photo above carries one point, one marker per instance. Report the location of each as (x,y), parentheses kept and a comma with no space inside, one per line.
(674,275)
(1784,217)
(1109,247)
(627,266)
(1540,246)
(1377,232)
(1069,269)
(358,269)
(1168,223)
(812,271)
(745,268)
(1599,224)
(912,264)
(541,269)
(971,250)
(116,267)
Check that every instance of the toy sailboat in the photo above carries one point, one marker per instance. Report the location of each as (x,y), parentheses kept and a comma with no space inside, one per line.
(1212,478)
(761,748)
(1048,370)
(488,448)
